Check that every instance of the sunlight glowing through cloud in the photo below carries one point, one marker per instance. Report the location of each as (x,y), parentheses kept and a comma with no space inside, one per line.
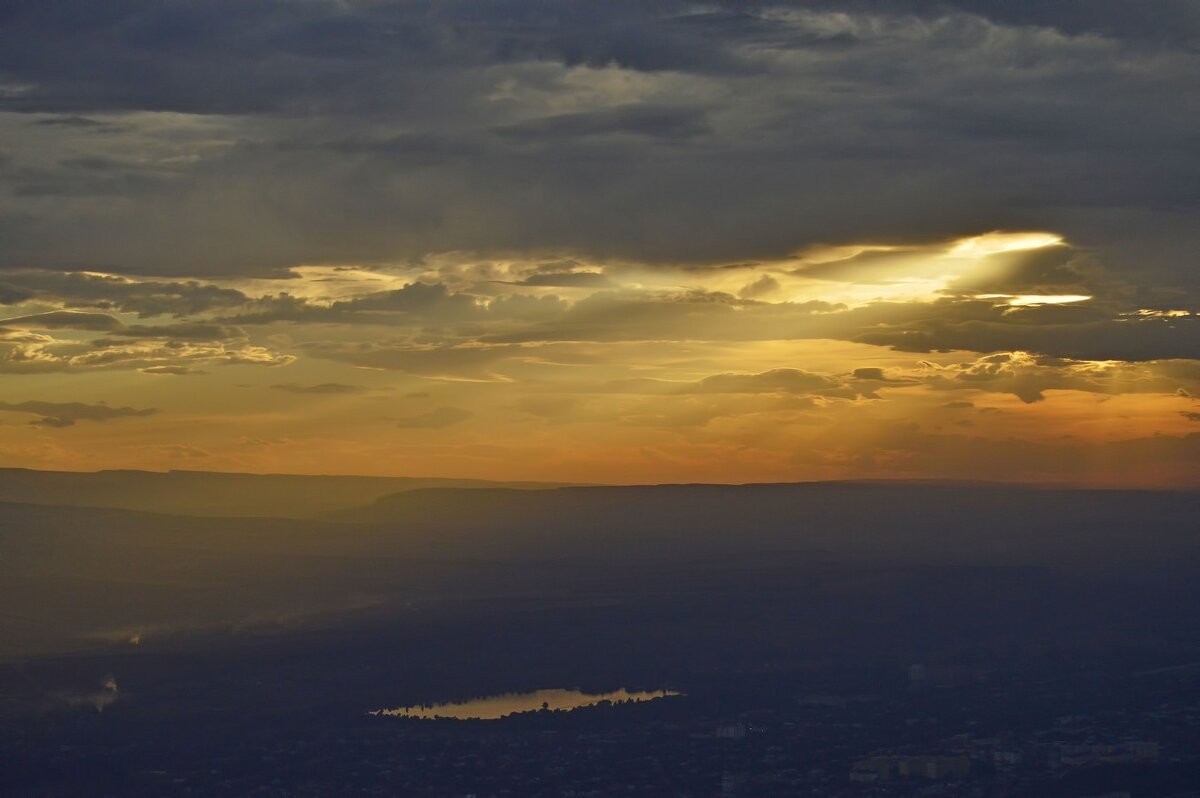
(1020,300)
(995,243)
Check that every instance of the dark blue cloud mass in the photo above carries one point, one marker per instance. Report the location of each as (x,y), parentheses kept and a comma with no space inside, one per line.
(190,138)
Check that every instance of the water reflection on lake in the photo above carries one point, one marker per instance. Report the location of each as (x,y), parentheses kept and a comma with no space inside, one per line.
(498,706)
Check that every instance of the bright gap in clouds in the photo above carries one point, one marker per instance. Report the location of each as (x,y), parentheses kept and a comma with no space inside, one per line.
(1019,300)
(860,275)
(996,243)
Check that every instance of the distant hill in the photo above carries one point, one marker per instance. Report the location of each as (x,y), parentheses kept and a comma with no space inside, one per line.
(75,577)
(208,493)
(962,522)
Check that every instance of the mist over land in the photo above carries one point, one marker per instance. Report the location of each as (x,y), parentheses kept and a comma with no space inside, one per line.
(207,493)
(736,596)
(428,594)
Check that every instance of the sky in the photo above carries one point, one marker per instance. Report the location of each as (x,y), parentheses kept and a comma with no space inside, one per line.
(618,242)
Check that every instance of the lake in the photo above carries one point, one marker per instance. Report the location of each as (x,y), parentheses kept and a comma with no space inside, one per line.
(498,706)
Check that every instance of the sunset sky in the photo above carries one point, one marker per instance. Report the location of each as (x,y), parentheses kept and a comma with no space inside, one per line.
(618,242)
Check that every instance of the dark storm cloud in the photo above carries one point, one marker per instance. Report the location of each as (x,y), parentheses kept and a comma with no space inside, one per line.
(11,294)
(1080,331)
(415,298)
(1082,338)
(66,414)
(74,181)
(670,132)
(871,373)
(671,124)
(268,55)
(145,298)
(68,121)
(1168,21)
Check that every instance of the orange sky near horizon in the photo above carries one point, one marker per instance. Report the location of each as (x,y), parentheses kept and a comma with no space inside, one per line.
(838,363)
(618,243)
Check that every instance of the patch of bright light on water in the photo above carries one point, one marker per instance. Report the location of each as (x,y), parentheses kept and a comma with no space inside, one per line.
(500,706)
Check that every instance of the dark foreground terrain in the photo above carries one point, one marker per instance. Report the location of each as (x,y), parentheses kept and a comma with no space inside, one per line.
(831,639)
